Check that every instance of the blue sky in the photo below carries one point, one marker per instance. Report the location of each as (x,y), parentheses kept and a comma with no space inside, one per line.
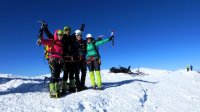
(162,34)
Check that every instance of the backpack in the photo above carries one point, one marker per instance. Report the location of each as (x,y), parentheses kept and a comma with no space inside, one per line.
(47,49)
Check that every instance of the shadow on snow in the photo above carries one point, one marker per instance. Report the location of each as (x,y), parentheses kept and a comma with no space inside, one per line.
(116,84)
(41,87)
(38,86)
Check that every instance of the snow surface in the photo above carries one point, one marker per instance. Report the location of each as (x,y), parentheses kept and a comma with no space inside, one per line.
(160,91)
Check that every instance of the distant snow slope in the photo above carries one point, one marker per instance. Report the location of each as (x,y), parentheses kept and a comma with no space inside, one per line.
(160,91)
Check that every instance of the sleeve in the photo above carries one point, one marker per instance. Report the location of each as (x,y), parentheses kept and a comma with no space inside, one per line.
(48,33)
(40,34)
(46,42)
(82,27)
(98,43)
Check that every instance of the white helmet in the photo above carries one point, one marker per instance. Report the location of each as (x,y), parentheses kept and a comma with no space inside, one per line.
(89,35)
(78,32)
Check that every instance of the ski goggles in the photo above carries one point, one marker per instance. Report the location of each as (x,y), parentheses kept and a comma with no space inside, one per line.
(67,30)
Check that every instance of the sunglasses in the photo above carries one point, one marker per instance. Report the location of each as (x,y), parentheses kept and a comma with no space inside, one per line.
(89,38)
(78,35)
(60,34)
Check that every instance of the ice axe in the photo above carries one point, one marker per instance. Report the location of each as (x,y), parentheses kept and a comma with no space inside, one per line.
(40,31)
(42,22)
(112,34)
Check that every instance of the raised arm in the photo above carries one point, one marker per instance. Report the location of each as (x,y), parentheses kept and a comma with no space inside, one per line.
(48,33)
(100,42)
(82,27)
(46,42)
(103,41)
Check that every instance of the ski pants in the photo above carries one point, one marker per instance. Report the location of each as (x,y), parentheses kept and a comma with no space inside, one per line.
(80,66)
(94,65)
(55,68)
(68,68)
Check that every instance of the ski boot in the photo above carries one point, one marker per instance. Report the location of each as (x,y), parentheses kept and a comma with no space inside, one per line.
(79,88)
(84,87)
(64,87)
(72,88)
(94,87)
(99,88)
(54,90)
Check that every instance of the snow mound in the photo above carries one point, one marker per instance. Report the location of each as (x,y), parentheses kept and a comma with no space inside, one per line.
(160,91)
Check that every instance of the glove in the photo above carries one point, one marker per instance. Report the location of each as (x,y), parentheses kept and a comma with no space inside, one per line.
(38,42)
(82,27)
(111,38)
(99,38)
(44,26)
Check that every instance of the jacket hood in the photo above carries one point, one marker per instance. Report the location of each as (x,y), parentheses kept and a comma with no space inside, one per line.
(56,32)
(55,35)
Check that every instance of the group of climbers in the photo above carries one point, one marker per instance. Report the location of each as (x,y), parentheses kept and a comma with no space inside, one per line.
(71,54)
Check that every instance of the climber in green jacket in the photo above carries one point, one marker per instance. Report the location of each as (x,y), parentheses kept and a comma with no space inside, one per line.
(93,59)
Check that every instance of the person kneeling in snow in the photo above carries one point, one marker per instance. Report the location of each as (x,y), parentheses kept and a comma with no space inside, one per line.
(55,53)
(93,59)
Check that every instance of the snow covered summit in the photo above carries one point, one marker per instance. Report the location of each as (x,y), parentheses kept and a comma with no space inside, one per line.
(160,91)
